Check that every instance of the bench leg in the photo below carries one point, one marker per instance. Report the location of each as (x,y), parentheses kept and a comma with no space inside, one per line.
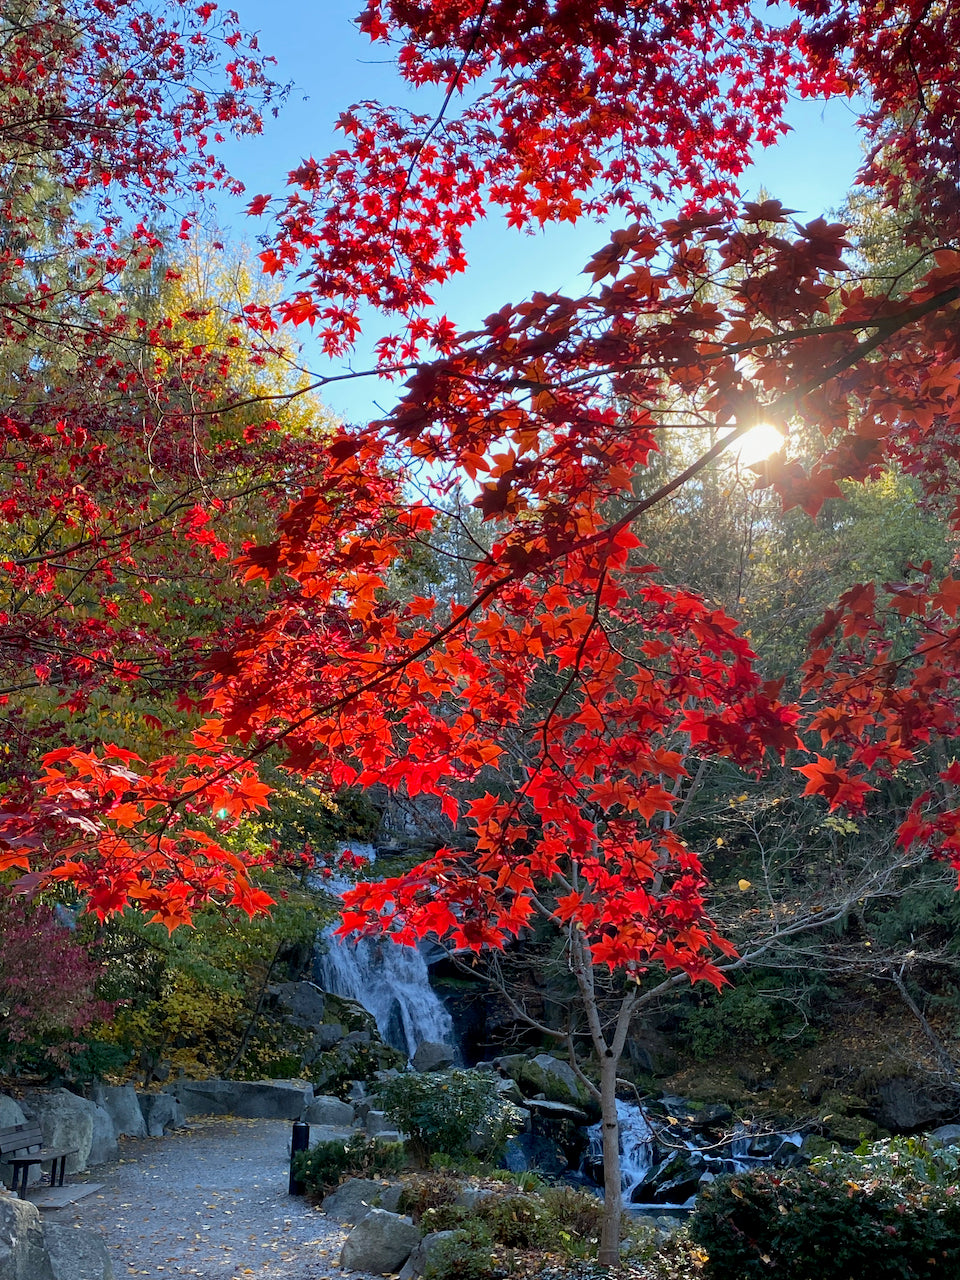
(63,1169)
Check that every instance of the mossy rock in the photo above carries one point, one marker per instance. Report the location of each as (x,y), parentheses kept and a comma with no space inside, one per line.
(349,1013)
(848,1130)
(550,1076)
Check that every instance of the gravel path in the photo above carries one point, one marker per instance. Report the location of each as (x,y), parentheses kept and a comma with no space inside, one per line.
(209,1201)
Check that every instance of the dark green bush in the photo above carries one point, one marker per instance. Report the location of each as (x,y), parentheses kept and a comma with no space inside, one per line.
(323,1166)
(826,1223)
(452,1113)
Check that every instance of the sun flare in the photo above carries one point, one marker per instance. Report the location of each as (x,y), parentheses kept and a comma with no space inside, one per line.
(759,443)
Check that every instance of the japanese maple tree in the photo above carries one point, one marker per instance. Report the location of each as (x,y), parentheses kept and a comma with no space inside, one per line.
(704,309)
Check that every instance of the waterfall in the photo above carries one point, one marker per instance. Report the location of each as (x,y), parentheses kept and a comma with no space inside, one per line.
(392,982)
(656,1156)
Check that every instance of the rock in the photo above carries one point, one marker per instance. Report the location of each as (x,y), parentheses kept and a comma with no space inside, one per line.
(766,1144)
(419,1259)
(470,1197)
(11,1114)
(672,1181)
(249,1099)
(327,1110)
(814,1145)
(376,1122)
(650,1053)
(712,1117)
(905,1105)
(509,1090)
(350,1013)
(66,1122)
(533,1151)
(103,1141)
(302,1003)
(328,1035)
(77,1255)
(381,1243)
(549,1076)
(329,1133)
(390,1196)
(353,1199)
(431,1056)
(948,1135)
(161,1112)
(124,1106)
(23,1254)
(556,1111)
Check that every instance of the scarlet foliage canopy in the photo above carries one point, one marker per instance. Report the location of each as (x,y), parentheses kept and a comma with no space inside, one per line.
(573,670)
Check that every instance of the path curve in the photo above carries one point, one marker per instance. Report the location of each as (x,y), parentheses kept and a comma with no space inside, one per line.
(209,1201)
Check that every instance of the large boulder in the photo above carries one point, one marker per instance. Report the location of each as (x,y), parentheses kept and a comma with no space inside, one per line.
(672,1181)
(124,1106)
(66,1121)
(249,1099)
(377,1125)
(103,1141)
(23,1254)
(431,1056)
(380,1244)
(329,1111)
(161,1112)
(544,1074)
(354,1199)
(948,1135)
(301,1003)
(11,1114)
(77,1255)
(422,1254)
(904,1105)
(327,1036)
(534,1151)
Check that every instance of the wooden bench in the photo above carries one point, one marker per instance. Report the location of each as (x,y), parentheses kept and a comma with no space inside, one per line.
(20,1147)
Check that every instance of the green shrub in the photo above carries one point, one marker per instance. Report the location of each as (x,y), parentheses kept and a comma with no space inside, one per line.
(842,1219)
(323,1166)
(447,1217)
(466,1255)
(576,1216)
(453,1113)
(520,1222)
(895,1160)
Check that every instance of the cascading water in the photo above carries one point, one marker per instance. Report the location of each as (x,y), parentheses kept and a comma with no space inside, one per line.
(390,981)
(659,1157)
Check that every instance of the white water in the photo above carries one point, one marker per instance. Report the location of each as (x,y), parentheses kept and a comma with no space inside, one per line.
(640,1150)
(636,1146)
(390,981)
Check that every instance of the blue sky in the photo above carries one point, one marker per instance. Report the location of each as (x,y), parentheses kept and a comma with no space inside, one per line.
(318,48)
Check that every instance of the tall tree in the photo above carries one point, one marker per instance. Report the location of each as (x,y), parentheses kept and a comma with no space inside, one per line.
(552,109)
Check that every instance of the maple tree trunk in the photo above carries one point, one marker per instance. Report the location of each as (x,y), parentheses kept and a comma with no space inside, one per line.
(609,1255)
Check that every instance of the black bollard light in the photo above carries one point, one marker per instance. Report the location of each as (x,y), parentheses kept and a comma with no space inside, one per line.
(299,1142)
